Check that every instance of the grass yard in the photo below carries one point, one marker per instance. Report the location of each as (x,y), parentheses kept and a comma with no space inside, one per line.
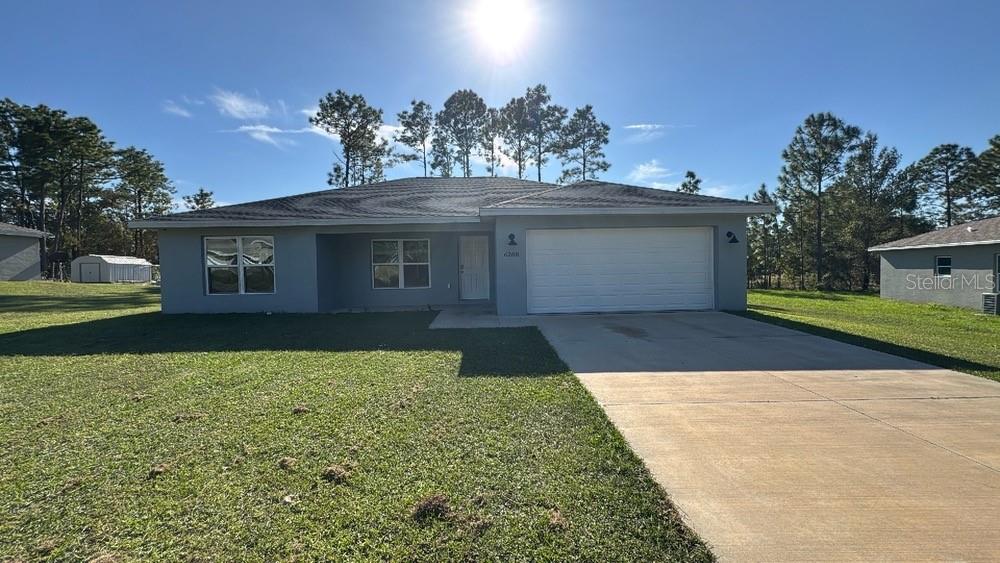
(131,435)
(949,337)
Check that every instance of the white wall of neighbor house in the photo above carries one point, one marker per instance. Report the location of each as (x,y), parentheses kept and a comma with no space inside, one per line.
(20,259)
(909,275)
(729,259)
(183,273)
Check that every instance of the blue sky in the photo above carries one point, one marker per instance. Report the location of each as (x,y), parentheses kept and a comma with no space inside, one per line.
(218,90)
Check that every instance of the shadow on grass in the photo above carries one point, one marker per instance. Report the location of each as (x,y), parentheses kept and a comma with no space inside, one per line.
(141,297)
(806,294)
(933,358)
(485,352)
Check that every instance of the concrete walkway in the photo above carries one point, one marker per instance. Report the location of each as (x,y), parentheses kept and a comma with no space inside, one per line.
(782,446)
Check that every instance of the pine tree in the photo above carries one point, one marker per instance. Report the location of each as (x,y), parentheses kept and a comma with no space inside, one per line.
(691,183)
(202,199)
(872,194)
(489,140)
(581,146)
(142,190)
(545,121)
(947,176)
(417,125)
(761,242)
(814,161)
(442,156)
(356,125)
(514,132)
(988,178)
(462,119)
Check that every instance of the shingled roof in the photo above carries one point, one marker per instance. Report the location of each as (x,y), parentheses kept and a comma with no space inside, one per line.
(15,231)
(986,231)
(441,199)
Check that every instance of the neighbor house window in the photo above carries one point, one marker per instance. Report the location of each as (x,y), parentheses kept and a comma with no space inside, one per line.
(942,265)
(401,264)
(239,264)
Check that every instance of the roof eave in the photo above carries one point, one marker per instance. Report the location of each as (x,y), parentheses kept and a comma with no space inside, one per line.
(934,245)
(660,210)
(222,223)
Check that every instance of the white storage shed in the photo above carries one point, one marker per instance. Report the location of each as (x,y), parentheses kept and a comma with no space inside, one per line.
(103,268)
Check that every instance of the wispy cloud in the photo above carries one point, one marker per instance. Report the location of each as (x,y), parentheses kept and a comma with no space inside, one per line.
(646,132)
(172,107)
(269,134)
(652,174)
(724,190)
(234,104)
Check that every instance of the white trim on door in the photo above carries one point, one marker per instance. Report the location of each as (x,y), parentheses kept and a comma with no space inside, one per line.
(474,269)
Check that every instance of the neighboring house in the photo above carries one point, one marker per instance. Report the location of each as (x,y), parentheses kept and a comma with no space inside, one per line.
(20,254)
(105,268)
(519,246)
(953,266)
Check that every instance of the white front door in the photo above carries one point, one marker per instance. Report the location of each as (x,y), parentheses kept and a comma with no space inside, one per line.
(474,267)
(620,269)
(90,273)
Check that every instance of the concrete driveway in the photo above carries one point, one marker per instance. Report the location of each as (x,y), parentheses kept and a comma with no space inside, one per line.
(778,445)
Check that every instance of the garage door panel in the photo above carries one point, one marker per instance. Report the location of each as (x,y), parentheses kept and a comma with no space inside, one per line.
(620,269)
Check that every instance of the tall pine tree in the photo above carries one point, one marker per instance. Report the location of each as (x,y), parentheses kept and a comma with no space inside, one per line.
(814,161)
(581,146)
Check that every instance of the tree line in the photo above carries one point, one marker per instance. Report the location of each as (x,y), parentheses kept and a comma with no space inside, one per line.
(529,131)
(840,192)
(60,174)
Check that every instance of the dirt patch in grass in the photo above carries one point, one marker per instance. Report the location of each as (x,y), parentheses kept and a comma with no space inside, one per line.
(301,409)
(557,521)
(431,507)
(287,463)
(337,474)
(188,416)
(157,470)
(46,547)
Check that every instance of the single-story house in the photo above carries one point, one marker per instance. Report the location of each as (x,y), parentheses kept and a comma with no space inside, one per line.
(515,245)
(20,254)
(954,266)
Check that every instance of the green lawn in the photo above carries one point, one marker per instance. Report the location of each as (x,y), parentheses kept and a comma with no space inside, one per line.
(134,435)
(944,336)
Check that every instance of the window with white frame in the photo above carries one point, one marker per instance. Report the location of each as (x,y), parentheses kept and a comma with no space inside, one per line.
(242,264)
(942,266)
(401,264)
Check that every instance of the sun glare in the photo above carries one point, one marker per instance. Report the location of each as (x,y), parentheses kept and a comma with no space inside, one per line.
(502,27)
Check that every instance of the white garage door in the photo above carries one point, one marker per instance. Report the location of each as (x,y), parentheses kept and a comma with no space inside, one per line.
(655,269)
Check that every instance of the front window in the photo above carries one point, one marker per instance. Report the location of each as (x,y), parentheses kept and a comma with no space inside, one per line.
(239,264)
(401,264)
(942,266)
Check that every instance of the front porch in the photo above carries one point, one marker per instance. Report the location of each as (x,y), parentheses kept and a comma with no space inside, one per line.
(405,270)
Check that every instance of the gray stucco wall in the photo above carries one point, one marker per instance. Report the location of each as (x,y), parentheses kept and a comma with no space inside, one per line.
(908,275)
(345,270)
(730,259)
(20,259)
(329,269)
(182,271)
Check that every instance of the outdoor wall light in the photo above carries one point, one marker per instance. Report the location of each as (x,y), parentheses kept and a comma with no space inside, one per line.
(732,237)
